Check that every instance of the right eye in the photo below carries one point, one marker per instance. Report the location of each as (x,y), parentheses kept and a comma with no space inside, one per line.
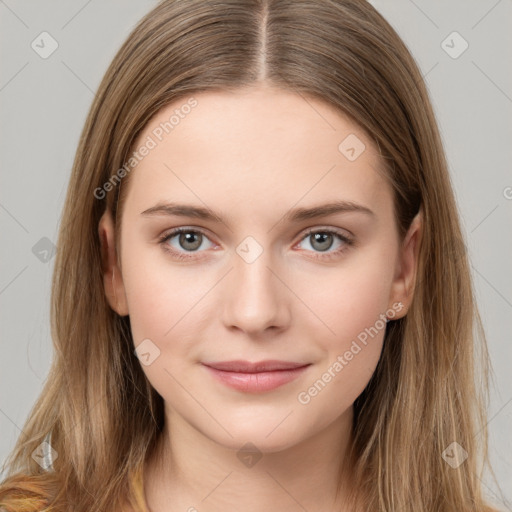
(187,240)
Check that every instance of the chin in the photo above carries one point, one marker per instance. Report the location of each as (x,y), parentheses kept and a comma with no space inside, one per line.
(265,439)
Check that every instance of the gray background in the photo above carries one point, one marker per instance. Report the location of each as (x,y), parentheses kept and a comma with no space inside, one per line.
(44,102)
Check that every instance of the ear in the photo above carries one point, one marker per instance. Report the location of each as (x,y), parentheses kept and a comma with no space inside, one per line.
(112,277)
(402,290)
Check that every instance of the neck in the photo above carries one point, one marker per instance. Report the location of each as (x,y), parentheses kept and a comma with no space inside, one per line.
(188,471)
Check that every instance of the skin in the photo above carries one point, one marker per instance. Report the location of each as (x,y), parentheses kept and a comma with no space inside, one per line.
(250,157)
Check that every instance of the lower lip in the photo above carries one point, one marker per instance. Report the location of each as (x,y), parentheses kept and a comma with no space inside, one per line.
(256,382)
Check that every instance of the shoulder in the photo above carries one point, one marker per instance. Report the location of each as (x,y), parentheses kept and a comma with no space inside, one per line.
(25,493)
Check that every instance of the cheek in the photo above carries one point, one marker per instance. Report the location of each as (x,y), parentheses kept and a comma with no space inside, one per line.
(352,306)
(162,303)
(165,307)
(349,300)
(164,299)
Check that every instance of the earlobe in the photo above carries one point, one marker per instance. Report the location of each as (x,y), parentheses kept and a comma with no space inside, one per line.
(112,277)
(407,266)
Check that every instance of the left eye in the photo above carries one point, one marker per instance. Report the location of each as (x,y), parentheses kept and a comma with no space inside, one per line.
(323,240)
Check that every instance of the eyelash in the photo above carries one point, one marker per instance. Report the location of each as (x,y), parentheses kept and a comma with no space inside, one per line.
(324,256)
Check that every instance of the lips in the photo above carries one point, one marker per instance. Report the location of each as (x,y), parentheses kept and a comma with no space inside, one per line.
(255,377)
(260,366)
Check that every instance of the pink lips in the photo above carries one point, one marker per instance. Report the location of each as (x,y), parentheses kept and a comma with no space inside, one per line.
(255,377)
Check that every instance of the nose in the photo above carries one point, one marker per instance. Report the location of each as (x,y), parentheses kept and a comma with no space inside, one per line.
(256,298)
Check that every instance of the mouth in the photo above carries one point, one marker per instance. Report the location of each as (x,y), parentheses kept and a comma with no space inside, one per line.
(255,377)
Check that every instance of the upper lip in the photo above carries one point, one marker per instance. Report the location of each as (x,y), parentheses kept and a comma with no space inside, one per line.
(259,366)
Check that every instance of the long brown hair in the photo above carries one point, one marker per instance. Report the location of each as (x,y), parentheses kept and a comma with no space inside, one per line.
(104,417)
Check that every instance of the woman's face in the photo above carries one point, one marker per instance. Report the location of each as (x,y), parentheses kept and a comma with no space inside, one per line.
(271,280)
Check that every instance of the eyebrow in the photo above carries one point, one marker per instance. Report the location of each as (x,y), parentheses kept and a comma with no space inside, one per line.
(293,215)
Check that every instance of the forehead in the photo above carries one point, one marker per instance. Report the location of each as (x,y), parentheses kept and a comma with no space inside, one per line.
(255,150)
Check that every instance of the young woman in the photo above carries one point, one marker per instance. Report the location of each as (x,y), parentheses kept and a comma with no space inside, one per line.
(261,298)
